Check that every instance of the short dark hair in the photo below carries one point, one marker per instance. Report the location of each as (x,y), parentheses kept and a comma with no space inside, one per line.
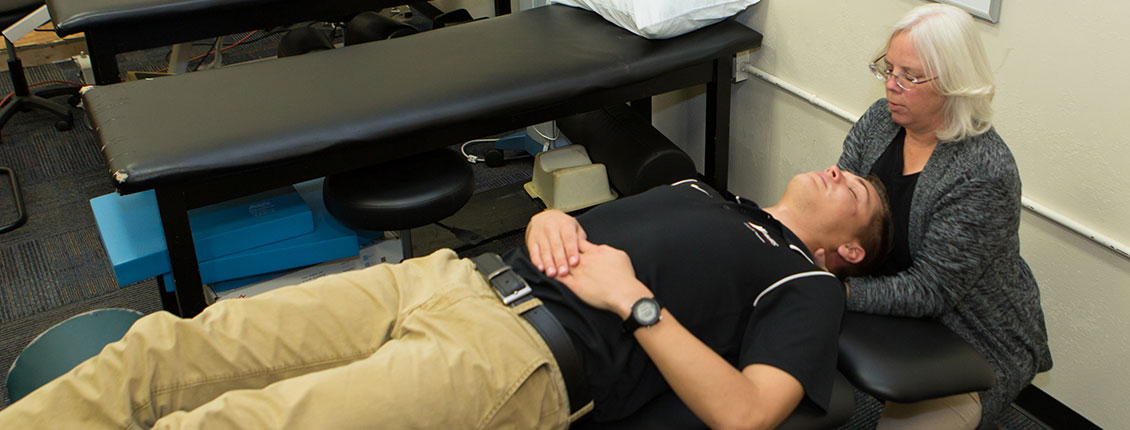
(877,237)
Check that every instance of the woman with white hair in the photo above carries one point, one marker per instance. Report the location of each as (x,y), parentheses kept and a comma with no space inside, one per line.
(955,202)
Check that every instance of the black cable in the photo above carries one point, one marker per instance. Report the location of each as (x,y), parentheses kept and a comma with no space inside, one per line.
(206,54)
(266,34)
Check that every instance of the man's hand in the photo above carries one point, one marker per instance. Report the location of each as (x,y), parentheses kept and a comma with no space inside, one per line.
(553,239)
(606,280)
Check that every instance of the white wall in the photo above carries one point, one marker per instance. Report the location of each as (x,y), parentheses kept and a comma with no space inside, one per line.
(1063,106)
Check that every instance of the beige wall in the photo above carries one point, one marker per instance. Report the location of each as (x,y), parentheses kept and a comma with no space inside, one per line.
(1062,106)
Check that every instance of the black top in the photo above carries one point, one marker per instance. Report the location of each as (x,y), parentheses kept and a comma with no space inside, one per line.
(732,275)
(900,192)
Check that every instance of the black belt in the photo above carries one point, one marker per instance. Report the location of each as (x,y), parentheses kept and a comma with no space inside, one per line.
(514,290)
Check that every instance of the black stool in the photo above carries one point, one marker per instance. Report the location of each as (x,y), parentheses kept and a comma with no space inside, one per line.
(402,194)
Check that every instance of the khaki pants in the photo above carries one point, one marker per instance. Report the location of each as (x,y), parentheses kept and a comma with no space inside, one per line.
(420,345)
(959,411)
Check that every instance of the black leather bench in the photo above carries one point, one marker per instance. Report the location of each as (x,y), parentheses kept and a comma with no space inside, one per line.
(206,137)
(112,27)
(908,360)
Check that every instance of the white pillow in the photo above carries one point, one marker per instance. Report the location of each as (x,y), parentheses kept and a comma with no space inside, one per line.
(662,19)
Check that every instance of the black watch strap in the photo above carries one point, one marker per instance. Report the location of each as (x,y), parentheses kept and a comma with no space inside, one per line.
(645,313)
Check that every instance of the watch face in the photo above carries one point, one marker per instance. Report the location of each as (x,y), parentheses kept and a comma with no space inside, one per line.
(646,312)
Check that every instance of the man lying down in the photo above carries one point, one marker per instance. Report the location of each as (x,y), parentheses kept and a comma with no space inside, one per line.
(675,289)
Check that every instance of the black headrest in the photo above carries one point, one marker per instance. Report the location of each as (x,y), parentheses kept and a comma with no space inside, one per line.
(302,40)
(372,26)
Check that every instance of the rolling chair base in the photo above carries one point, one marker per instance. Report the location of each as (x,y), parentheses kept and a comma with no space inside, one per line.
(21,215)
(23,100)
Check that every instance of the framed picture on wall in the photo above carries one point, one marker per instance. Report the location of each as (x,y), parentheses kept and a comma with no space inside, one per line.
(989,10)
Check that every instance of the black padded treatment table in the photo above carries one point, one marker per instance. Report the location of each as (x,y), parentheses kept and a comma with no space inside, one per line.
(112,27)
(206,137)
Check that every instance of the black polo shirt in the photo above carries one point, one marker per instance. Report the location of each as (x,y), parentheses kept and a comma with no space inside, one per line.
(740,281)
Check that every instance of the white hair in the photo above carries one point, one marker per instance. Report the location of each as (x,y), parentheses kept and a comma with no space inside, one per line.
(950,48)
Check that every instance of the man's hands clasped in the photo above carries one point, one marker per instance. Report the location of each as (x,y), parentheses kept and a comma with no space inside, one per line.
(606,280)
(553,239)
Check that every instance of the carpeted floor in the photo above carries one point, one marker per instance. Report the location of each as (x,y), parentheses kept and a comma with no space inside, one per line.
(55,267)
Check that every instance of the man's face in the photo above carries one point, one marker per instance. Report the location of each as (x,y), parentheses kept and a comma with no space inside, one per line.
(839,202)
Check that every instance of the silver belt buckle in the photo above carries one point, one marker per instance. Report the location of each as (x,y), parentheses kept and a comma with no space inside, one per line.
(513,296)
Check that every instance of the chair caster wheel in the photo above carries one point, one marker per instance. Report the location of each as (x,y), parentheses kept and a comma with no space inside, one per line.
(64,125)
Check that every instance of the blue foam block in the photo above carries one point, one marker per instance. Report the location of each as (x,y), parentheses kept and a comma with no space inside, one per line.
(131,231)
(131,228)
(248,222)
(330,240)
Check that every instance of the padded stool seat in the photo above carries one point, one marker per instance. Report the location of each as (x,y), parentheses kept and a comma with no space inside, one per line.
(402,194)
(63,346)
(909,360)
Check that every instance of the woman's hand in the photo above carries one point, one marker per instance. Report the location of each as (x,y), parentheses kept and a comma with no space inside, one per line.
(553,239)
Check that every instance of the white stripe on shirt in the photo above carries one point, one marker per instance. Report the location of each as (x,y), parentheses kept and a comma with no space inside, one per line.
(790,278)
(794,248)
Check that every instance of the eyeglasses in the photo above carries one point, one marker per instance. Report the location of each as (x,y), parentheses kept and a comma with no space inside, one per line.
(904,81)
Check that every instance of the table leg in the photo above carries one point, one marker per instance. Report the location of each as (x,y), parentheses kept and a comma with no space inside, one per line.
(103,58)
(178,59)
(642,107)
(501,7)
(717,164)
(189,290)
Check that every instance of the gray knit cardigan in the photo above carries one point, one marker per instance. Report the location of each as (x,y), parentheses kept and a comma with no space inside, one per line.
(967,271)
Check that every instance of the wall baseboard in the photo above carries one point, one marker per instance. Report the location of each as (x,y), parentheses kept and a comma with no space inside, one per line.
(1049,411)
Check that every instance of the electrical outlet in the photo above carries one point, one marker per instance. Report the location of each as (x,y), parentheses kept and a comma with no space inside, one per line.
(740,61)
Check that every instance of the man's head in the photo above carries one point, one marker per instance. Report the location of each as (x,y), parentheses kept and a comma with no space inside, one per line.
(844,214)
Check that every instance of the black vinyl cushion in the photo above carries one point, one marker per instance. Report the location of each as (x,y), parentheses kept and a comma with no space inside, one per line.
(15,10)
(378,93)
(635,154)
(402,194)
(908,359)
(372,26)
(668,412)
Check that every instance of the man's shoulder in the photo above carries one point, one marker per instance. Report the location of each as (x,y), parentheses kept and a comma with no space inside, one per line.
(788,265)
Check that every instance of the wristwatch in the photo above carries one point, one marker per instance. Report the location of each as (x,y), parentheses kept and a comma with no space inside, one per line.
(645,313)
